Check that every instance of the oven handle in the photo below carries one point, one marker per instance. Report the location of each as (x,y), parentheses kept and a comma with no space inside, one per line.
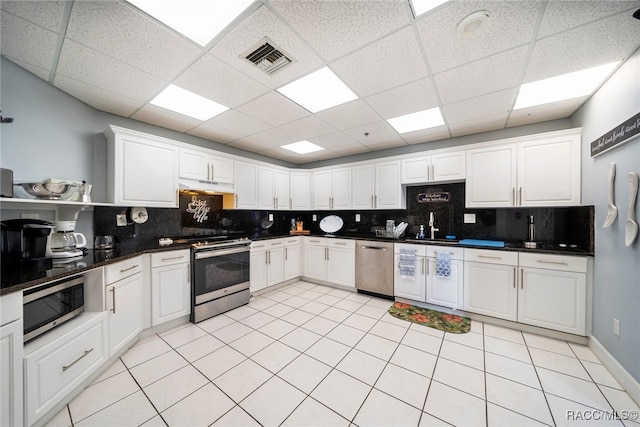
(214,253)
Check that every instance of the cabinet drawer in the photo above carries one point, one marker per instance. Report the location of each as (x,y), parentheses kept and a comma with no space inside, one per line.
(122,269)
(456,253)
(170,258)
(259,245)
(554,262)
(420,250)
(277,243)
(315,241)
(292,241)
(491,257)
(10,308)
(341,243)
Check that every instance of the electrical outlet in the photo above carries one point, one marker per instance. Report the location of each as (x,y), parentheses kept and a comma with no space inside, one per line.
(616,327)
(271,217)
(314,217)
(357,217)
(469,218)
(121,220)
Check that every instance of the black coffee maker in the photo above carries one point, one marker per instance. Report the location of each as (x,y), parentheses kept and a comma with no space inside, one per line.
(25,241)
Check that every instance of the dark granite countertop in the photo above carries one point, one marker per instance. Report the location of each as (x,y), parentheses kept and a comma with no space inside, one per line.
(20,277)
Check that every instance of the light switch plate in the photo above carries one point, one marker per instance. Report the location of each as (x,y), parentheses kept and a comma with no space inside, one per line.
(271,217)
(121,220)
(357,217)
(469,218)
(314,217)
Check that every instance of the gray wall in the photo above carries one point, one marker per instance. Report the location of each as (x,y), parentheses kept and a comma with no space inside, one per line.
(617,267)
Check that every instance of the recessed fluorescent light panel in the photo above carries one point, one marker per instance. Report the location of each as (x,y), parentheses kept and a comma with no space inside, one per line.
(302,147)
(182,101)
(422,6)
(566,86)
(318,91)
(199,20)
(416,121)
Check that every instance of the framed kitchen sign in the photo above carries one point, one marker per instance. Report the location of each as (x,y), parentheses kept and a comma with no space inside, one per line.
(616,136)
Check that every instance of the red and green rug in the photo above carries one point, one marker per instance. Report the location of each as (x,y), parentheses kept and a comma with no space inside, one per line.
(431,318)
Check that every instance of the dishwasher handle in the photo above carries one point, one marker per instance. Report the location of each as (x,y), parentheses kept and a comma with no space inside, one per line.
(377,248)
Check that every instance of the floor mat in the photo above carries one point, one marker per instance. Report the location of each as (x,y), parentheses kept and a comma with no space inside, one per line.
(431,318)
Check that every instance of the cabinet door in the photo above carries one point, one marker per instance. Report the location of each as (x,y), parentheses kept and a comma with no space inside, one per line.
(322,189)
(341,189)
(11,351)
(266,195)
(341,266)
(292,261)
(125,317)
(222,170)
(445,291)
(549,171)
(490,289)
(553,299)
(416,171)
(193,165)
(315,262)
(246,185)
(300,188)
(275,267)
(170,293)
(363,190)
(448,166)
(258,270)
(411,288)
(281,189)
(388,188)
(491,177)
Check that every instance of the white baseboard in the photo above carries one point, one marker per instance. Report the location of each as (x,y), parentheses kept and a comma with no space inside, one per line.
(626,380)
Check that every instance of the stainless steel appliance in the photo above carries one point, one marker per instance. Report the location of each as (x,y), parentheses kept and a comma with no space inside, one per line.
(52,304)
(219,276)
(374,267)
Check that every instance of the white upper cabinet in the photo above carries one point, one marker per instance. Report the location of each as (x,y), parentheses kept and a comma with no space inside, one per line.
(246,185)
(332,189)
(300,190)
(205,166)
(273,188)
(142,170)
(447,166)
(363,185)
(537,170)
(377,186)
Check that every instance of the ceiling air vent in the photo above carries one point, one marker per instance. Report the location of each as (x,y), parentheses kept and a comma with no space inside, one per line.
(268,57)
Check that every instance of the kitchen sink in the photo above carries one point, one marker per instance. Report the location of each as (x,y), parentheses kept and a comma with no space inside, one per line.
(433,241)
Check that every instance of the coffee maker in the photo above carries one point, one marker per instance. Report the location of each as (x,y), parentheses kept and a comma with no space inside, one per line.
(65,242)
(25,242)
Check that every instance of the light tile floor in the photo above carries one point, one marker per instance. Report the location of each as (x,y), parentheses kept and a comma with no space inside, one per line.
(314,355)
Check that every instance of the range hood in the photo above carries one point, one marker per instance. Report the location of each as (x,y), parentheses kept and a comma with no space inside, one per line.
(205,186)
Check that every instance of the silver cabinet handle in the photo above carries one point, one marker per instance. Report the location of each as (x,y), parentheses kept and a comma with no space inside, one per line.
(542,261)
(520,196)
(286,253)
(375,200)
(269,253)
(290,203)
(173,257)
(314,241)
(84,354)
(326,253)
(521,279)
(450,253)
(489,256)
(266,259)
(433,172)
(513,196)
(428,267)
(423,262)
(340,243)
(236,200)
(130,268)
(372,205)
(276,243)
(277,201)
(188,276)
(514,278)
(113,299)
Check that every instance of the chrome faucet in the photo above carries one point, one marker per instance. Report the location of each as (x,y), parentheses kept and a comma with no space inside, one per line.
(432,227)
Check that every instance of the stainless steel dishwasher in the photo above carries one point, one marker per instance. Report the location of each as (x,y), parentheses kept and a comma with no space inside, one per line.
(374,267)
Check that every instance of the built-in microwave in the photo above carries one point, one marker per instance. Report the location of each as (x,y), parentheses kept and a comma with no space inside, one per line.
(50,305)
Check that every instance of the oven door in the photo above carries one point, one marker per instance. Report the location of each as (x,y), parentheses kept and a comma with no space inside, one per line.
(217,269)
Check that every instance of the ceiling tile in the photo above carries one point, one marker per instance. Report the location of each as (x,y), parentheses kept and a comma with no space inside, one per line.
(274,109)
(563,15)
(328,24)
(119,30)
(599,43)
(213,133)
(286,155)
(426,135)
(47,14)
(484,124)
(100,99)
(481,106)
(334,141)
(28,43)
(390,62)
(308,127)
(274,137)
(379,134)
(237,122)
(409,98)
(263,23)
(487,75)
(511,24)
(251,144)
(88,66)
(349,115)
(350,150)
(204,78)
(165,118)
(541,113)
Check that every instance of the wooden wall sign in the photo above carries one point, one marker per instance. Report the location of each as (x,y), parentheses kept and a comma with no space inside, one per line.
(616,136)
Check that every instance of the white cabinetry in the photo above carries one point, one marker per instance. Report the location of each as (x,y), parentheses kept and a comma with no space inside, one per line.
(11,351)
(58,362)
(409,286)
(330,260)
(246,185)
(537,170)
(292,258)
(552,292)
(142,170)
(363,187)
(123,296)
(332,189)
(490,283)
(273,188)
(300,190)
(205,166)
(441,290)
(377,186)
(170,286)
(315,258)
(446,166)
(267,264)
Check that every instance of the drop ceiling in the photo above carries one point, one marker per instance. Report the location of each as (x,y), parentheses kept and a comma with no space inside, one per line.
(116,58)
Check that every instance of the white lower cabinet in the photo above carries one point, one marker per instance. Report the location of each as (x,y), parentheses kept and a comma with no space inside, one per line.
(59,361)
(442,290)
(266,264)
(170,286)
(123,299)
(407,285)
(330,260)
(11,352)
(292,258)
(315,258)
(490,283)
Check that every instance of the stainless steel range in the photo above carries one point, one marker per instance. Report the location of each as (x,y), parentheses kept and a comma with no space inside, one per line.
(219,276)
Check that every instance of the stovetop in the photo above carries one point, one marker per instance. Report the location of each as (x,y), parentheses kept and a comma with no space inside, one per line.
(205,241)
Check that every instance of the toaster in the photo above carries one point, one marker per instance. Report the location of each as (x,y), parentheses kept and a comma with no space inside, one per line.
(6,182)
